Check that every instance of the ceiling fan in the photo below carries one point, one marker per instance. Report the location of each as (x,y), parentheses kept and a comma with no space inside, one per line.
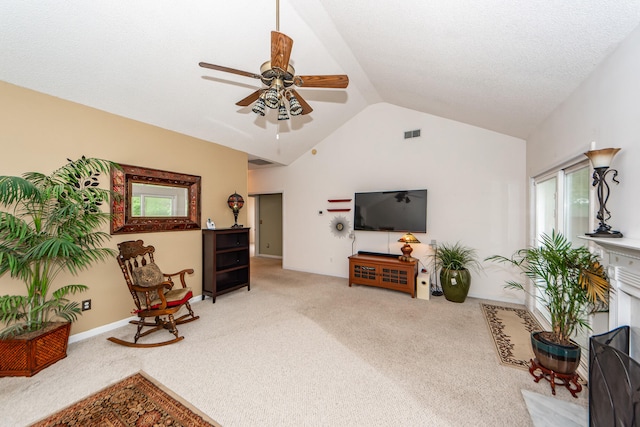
(280,79)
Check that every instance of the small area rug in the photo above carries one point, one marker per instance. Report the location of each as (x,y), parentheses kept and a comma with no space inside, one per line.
(137,400)
(511,331)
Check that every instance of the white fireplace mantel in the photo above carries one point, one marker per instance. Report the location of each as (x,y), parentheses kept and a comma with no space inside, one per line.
(622,245)
(623,266)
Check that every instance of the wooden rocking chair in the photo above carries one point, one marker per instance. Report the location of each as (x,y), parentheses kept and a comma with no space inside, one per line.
(153,294)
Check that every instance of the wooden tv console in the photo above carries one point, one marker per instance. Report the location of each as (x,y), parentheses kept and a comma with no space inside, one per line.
(384,272)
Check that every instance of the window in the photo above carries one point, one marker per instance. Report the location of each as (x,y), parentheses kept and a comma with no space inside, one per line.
(562,203)
(546,206)
(150,200)
(152,206)
(576,213)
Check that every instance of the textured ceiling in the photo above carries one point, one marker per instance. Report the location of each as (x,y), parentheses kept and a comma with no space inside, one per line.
(501,65)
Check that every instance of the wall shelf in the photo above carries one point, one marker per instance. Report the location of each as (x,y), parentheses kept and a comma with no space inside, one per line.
(339,209)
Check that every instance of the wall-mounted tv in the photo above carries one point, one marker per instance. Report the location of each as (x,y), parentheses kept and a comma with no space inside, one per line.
(400,210)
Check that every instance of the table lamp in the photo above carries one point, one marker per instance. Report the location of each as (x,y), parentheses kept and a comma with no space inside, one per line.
(406,248)
(235,202)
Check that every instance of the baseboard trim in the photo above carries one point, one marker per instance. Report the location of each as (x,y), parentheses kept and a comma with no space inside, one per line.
(111,326)
(269,256)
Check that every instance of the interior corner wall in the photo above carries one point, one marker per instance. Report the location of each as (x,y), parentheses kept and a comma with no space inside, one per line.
(475,179)
(604,109)
(39,132)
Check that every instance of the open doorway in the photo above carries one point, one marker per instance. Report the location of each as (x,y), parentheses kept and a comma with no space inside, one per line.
(265,213)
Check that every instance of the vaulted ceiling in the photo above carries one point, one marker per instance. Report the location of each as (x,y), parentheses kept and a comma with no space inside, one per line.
(501,65)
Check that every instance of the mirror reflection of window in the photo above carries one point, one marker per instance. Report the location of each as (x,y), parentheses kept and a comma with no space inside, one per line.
(150,200)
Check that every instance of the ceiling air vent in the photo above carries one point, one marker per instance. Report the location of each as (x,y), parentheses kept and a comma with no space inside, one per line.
(260,162)
(412,134)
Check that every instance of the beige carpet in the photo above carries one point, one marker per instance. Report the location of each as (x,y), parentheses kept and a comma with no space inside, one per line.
(511,331)
(304,349)
(136,401)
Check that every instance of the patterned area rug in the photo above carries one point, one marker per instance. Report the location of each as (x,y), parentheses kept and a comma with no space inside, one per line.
(135,401)
(511,330)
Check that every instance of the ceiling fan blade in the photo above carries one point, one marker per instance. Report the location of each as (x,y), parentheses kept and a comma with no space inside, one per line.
(339,81)
(229,70)
(306,108)
(281,45)
(250,99)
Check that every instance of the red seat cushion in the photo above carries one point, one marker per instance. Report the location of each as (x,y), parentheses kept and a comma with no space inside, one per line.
(174,298)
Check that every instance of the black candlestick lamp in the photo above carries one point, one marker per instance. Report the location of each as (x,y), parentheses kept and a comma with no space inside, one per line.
(601,160)
(235,202)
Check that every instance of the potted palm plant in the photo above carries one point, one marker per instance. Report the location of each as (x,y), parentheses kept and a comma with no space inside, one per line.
(49,224)
(455,262)
(568,281)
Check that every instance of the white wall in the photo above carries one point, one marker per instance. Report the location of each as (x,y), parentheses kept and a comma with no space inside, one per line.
(603,109)
(475,179)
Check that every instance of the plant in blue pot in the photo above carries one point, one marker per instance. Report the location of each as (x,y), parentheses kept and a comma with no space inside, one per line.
(569,281)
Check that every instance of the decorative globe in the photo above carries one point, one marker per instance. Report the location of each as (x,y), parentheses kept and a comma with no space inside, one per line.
(235,202)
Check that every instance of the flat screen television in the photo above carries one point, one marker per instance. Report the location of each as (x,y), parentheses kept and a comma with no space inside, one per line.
(401,210)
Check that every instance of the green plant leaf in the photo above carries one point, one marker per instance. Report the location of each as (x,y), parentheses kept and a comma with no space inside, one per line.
(50,224)
(567,280)
(456,257)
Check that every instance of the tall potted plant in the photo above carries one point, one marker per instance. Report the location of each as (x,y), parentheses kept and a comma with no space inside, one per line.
(455,262)
(49,224)
(568,281)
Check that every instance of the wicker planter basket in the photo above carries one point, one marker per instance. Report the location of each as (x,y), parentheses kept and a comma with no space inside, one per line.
(28,354)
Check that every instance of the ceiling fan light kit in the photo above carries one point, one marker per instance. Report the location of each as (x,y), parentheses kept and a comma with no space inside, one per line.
(282,113)
(272,99)
(258,108)
(294,105)
(278,78)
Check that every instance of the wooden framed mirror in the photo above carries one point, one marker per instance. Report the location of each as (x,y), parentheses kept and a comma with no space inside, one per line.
(150,200)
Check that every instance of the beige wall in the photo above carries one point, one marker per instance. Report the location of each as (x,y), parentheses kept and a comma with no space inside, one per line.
(39,132)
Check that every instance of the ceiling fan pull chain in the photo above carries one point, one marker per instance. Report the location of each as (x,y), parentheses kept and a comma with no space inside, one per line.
(278,15)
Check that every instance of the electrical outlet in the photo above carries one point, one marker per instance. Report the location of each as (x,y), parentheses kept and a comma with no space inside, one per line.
(86,305)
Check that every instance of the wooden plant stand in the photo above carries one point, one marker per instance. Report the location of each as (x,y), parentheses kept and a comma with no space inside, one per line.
(570,381)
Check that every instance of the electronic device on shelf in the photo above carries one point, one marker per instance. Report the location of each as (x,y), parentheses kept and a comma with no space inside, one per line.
(378,254)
